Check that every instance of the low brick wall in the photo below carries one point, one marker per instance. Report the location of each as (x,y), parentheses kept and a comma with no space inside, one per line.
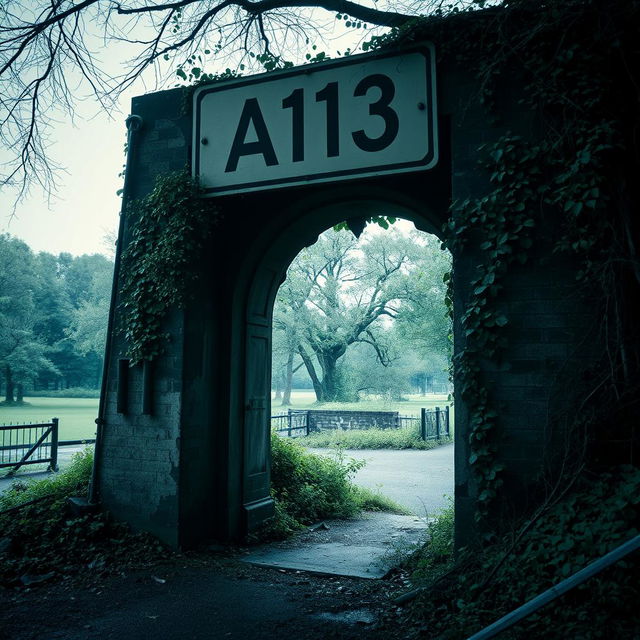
(346,420)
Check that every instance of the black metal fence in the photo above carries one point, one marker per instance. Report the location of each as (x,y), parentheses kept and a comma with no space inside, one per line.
(291,424)
(23,444)
(408,421)
(433,424)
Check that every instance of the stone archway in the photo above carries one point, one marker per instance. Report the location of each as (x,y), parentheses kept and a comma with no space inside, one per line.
(307,219)
(183,449)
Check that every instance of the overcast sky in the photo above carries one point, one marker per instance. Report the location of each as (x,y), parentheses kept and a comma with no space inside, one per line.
(86,207)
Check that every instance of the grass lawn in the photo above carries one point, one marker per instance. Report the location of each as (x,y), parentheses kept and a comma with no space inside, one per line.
(77,415)
(306,399)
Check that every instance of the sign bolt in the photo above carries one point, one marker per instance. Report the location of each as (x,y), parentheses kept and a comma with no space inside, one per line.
(422,106)
(204,141)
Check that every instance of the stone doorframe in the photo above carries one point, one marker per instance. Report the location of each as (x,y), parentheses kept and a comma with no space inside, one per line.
(264,271)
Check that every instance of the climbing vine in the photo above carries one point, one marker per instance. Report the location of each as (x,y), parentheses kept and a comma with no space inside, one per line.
(577,63)
(501,224)
(167,236)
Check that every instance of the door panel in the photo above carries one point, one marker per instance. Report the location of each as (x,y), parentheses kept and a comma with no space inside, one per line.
(256,477)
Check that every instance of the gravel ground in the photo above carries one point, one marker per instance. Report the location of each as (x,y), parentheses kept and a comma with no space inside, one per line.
(205,595)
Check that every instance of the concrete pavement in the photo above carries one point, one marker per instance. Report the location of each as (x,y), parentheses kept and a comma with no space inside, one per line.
(418,480)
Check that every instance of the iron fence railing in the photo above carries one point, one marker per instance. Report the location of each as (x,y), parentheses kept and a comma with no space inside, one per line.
(23,444)
(408,421)
(291,424)
(433,424)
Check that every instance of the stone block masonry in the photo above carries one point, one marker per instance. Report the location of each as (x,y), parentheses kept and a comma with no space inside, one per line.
(346,420)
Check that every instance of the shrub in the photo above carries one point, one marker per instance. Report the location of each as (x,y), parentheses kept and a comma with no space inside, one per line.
(405,438)
(72,481)
(72,392)
(374,501)
(43,540)
(596,516)
(437,552)
(308,487)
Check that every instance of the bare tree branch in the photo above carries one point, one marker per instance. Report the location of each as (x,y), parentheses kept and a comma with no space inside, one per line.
(41,82)
(353,9)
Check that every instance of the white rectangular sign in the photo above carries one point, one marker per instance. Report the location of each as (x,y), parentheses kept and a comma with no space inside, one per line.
(359,116)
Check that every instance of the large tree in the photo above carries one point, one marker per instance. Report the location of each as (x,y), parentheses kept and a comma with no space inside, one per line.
(87,328)
(342,292)
(53,317)
(54,54)
(22,352)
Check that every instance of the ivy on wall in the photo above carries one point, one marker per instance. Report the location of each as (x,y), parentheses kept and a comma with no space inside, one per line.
(168,231)
(577,62)
(500,225)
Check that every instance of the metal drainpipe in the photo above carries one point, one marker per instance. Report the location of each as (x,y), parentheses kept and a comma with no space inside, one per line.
(134,124)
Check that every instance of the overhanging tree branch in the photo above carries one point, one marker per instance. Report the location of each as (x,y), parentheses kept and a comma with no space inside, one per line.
(353,9)
(164,32)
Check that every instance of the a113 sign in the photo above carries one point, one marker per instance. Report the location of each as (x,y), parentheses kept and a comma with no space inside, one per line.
(359,116)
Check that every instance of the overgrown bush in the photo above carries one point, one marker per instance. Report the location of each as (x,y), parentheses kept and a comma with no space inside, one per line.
(308,488)
(369,500)
(479,587)
(437,553)
(72,481)
(44,540)
(404,438)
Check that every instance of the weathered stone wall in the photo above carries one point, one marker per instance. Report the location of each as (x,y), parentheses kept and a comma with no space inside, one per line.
(550,329)
(140,453)
(139,465)
(180,471)
(345,420)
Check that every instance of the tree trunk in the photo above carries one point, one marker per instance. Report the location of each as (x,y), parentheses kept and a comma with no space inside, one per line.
(330,390)
(317,385)
(288,380)
(9,382)
(277,383)
(19,392)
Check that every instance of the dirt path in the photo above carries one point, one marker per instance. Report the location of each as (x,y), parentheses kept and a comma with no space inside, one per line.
(202,596)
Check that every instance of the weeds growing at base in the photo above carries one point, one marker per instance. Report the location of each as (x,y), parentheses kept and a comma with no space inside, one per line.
(460,593)
(42,540)
(404,438)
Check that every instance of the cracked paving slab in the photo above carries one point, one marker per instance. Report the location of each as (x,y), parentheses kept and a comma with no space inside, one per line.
(365,548)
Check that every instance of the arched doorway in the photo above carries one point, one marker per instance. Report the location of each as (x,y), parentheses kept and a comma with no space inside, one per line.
(298,226)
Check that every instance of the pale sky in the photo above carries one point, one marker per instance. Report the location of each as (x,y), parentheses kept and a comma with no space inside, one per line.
(85,208)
